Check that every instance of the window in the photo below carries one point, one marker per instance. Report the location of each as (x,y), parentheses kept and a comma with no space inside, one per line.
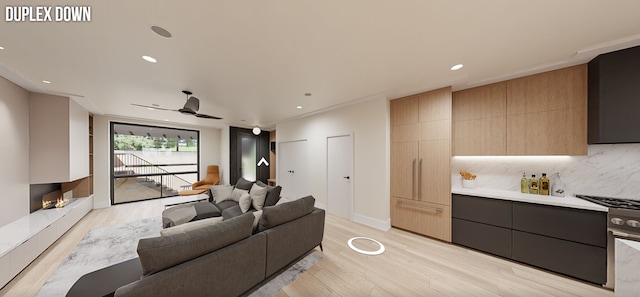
(151,162)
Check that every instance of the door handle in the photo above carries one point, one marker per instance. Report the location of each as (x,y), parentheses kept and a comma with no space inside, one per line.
(413,179)
(291,171)
(348,178)
(420,180)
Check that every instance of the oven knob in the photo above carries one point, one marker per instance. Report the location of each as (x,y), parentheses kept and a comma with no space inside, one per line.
(633,223)
(618,221)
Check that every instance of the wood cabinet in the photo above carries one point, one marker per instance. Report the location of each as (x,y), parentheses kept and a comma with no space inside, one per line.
(547,114)
(542,114)
(480,121)
(59,146)
(564,240)
(420,163)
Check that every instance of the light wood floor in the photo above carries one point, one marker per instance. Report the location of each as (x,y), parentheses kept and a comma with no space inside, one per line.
(412,265)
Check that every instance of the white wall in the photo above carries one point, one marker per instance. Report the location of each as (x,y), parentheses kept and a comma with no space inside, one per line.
(14,151)
(209,152)
(369,123)
(608,170)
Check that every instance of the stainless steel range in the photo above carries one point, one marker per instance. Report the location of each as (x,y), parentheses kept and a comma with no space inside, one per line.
(623,222)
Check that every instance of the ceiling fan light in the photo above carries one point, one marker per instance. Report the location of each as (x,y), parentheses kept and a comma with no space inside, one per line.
(256,131)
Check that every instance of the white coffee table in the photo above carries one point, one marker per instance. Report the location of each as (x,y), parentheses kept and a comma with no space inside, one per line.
(183,199)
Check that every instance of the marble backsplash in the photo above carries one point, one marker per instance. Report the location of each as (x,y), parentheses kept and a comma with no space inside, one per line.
(611,170)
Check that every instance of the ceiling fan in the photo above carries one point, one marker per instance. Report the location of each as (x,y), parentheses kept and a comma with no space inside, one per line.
(190,107)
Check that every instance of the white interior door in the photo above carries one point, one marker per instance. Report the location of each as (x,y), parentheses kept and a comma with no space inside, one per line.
(292,168)
(340,176)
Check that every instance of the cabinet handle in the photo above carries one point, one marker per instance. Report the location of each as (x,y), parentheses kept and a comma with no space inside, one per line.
(416,205)
(413,179)
(420,180)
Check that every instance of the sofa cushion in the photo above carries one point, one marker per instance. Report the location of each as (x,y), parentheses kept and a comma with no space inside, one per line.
(244,184)
(205,210)
(258,195)
(279,214)
(190,226)
(226,204)
(221,193)
(159,253)
(245,202)
(233,212)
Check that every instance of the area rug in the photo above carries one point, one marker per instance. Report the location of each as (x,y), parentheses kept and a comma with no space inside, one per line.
(110,245)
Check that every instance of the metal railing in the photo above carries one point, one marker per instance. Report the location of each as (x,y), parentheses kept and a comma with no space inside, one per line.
(128,165)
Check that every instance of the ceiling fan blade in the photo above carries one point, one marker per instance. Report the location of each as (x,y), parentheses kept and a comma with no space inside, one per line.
(152,107)
(206,116)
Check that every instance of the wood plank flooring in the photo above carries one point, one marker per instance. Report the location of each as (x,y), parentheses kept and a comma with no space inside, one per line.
(412,265)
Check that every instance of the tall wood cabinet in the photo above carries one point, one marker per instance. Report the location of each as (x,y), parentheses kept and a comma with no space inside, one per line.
(542,114)
(420,163)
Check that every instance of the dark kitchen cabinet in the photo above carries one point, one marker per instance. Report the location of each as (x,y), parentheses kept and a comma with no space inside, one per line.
(564,240)
(582,261)
(482,223)
(613,104)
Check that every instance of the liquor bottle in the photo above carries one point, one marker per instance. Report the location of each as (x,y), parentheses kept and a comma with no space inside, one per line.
(557,189)
(544,184)
(524,184)
(533,184)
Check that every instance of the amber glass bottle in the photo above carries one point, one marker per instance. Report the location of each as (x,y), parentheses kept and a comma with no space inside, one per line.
(544,184)
(533,184)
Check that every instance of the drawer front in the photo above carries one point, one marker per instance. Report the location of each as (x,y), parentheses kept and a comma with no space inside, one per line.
(583,226)
(486,238)
(483,210)
(581,261)
(425,218)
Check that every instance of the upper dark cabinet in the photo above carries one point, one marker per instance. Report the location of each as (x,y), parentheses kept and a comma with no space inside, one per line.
(614,97)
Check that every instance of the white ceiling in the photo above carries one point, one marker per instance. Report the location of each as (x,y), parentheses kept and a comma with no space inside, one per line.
(251,62)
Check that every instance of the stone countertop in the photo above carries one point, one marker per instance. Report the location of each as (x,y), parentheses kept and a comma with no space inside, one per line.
(627,267)
(22,229)
(569,201)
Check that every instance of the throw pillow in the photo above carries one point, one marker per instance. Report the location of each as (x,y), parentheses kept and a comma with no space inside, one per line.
(279,214)
(273,195)
(285,200)
(245,202)
(190,226)
(258,195)
(221,193)
(244,184)
(258,215)
(236,194)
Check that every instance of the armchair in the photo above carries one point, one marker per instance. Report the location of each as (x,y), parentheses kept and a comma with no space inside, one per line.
(212,178)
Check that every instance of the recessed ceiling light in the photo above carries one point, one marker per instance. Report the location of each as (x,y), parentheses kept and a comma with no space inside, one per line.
(166,120)
(307,94)
(149,59)
(457,67)
(161,31)
(1,48)
(151,108)
(299,107)
(46,81)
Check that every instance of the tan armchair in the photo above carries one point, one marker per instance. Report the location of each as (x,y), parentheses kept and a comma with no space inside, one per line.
(212,178)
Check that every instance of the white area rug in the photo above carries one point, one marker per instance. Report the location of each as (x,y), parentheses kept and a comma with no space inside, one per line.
(110,245)
(99,248)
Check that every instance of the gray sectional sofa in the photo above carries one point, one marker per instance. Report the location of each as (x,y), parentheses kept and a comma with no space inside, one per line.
(227,257)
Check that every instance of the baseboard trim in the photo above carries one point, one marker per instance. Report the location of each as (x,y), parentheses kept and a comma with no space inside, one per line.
(101,204)
(371,222)
(321,206)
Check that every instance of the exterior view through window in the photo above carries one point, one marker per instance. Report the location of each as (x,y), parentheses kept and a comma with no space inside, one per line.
(151,162)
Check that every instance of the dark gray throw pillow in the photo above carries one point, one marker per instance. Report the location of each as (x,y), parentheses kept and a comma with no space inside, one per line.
(273,195)
(159,253)
(244,184)
(279,214)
